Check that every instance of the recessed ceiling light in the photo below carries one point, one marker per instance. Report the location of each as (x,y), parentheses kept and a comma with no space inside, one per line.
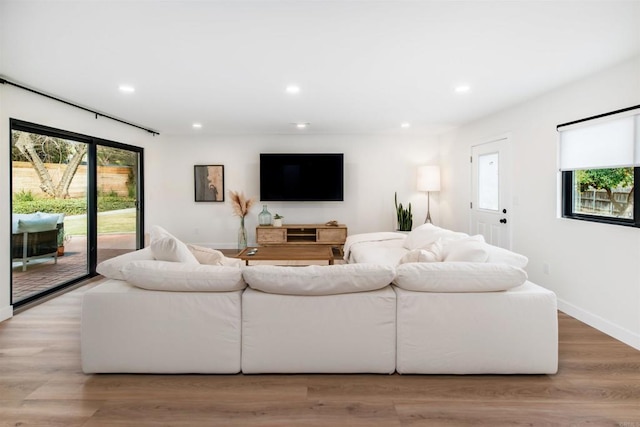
(293,89)
(197,125)
(462,89)
(127,88)
(405,125)
(302,125)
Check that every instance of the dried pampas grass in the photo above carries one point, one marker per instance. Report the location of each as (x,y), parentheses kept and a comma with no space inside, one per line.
(240,204)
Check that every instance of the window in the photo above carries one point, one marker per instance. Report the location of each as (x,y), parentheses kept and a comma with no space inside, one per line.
(600,163)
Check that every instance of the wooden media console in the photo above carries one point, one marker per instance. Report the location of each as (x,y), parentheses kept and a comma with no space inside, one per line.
(302,234)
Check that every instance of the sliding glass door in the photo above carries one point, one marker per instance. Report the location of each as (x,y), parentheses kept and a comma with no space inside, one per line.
(74,203)
(118,216)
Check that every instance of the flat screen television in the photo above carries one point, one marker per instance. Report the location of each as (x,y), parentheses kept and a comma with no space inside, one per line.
(301,177)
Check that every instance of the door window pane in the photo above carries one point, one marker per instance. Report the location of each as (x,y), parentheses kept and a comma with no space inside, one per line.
(488,184)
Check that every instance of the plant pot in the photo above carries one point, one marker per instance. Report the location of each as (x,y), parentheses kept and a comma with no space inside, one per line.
(277,222)
(60,250)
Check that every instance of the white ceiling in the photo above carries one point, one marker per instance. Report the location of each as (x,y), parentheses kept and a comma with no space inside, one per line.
(362,66)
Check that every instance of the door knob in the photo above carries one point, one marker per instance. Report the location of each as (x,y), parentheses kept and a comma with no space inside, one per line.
(503,221)
(504,211)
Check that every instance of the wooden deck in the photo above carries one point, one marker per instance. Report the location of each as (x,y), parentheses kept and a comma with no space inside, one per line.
(43,274)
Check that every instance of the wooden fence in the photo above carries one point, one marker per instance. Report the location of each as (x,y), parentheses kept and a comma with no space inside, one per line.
(597,201)
(110,179)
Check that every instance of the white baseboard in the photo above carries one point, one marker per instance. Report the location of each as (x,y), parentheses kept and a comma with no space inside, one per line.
(6,313)
(621,334)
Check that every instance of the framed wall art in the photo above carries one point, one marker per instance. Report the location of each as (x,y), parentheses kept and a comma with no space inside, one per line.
(209,183)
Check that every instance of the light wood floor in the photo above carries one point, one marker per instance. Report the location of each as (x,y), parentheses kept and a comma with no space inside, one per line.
(41,384)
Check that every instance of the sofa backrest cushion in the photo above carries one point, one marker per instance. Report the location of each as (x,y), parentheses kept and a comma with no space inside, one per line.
(505,256)
(468,249)
(181,277)
(211,256)
(431,253)
(167,247)
(112,268)
(458,277)
(36,224)
(28,222)
(318,279)
(206,255)
(423,236)
(157,232)
(172,249)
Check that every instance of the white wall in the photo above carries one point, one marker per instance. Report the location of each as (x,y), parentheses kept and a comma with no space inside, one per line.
(375,167)
(19,104)
(593,268)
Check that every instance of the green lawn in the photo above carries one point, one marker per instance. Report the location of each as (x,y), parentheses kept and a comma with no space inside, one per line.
(108,222)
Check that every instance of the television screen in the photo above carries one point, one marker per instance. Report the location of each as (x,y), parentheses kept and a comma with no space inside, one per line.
(310,177)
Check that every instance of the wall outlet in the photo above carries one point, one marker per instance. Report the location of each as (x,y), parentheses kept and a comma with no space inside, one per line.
(545,268)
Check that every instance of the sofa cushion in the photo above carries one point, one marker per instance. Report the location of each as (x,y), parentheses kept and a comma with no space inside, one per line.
(384,253)
(112,268)
(469,249)
(157,232)
(167,247)
(59,217)
(172,249)
(424,235)
(505,256)
(37,223)
(458,277)
(418,255)
(206,255)
(432,253)
(39,217)
(318,279)
(181,277)
(210,256)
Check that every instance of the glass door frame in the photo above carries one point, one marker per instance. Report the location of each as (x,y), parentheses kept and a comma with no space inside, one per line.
(92,197)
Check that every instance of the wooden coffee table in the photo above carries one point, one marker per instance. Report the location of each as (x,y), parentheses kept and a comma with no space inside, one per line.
(288,253)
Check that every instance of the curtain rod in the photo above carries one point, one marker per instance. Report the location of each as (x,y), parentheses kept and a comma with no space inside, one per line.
(598,116)
(97,113)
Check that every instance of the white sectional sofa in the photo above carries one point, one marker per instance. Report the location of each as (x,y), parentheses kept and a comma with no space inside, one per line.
(430,302)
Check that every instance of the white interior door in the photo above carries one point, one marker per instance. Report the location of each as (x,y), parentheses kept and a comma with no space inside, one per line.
(490,203)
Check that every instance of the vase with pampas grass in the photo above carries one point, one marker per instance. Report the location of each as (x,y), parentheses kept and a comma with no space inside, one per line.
(241,206)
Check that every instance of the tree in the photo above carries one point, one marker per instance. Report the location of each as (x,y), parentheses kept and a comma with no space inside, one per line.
(70,152)
(48,149)
(608,180)
(115,156)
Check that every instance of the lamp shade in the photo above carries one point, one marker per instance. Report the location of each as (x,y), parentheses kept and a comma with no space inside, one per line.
(429,178)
